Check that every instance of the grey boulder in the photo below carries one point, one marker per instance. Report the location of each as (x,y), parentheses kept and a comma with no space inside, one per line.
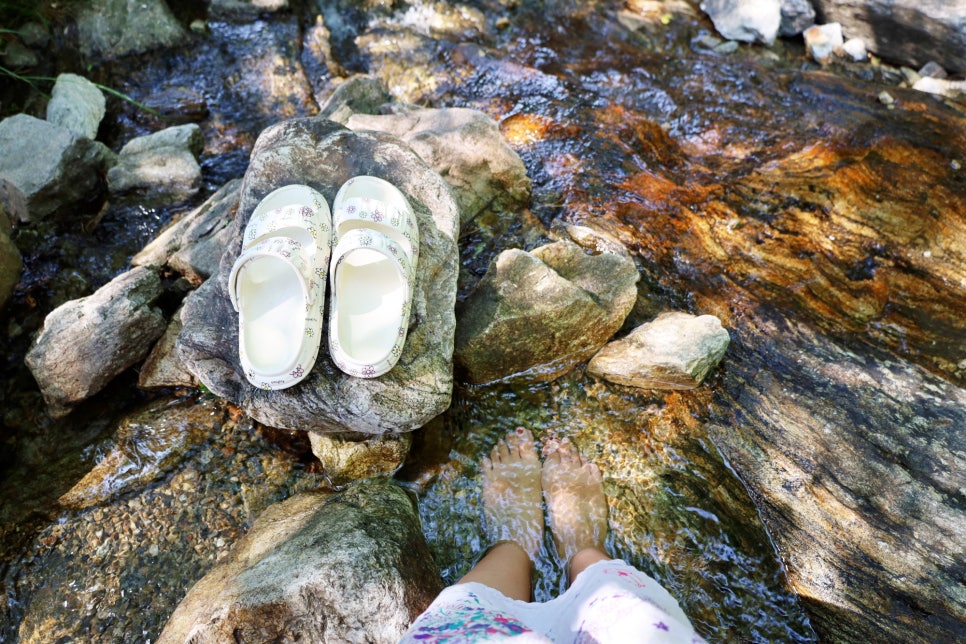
(86,342)
(161,167)
(535,315)
(324,155)
(52,166)
(77,105)
(466,148)
(745,20)
(673,351)
(350,567)
(110,29)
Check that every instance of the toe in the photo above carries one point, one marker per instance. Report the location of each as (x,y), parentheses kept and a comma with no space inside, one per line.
(522,441)
(550,447)
(568,454)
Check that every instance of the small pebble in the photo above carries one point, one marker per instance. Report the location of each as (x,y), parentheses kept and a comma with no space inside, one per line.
(932,69)
(855,48)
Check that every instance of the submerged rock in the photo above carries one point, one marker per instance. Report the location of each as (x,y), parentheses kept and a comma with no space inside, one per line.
(161,167)
(77,105)
(147,444)
(52,166)
(348,567)
(346,460)
(87,342)
(325,155)
(674,351)
(537,314)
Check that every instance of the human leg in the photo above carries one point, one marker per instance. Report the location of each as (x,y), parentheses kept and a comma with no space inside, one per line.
(513,511)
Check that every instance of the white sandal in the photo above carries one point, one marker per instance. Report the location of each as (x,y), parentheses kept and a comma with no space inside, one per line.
(277,285)
(375,251)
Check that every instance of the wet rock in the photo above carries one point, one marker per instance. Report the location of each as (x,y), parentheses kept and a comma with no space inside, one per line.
(87,342)
(18,56)
(325,155)
(933,70)
(270,83)
(77,105)
(11,263)
(242,10)
(360,94)
(535,315)
(855,49)
(13,203)
(797,16)
(855,461)
(320,62)
(178,104)
(147,444)
(941,87)
(194,244)
(116,28)
(467,149)
(160,168)
(353,566)
(745,20)
(164,367)
(908,31)
(674,351)
(346,460)
(82,576)
(34,34)
(821,41)
(52,166)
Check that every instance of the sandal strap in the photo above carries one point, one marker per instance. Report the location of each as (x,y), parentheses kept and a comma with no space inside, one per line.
(284,248)
(265,224)
(370,239)
(379,213)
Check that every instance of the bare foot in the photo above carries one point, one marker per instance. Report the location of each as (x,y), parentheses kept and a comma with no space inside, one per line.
(511,492)
(575,498)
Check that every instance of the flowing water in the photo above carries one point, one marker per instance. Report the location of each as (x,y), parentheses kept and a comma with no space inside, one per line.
(618,129)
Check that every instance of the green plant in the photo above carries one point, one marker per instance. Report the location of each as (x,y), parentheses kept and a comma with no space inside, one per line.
(32,80)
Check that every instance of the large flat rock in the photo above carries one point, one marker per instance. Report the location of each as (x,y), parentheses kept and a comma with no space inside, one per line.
(324,155)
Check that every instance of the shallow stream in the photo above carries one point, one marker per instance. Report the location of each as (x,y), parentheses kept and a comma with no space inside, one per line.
(618,128)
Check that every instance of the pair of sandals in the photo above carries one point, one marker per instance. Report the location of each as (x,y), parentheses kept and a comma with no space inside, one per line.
(367,247)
